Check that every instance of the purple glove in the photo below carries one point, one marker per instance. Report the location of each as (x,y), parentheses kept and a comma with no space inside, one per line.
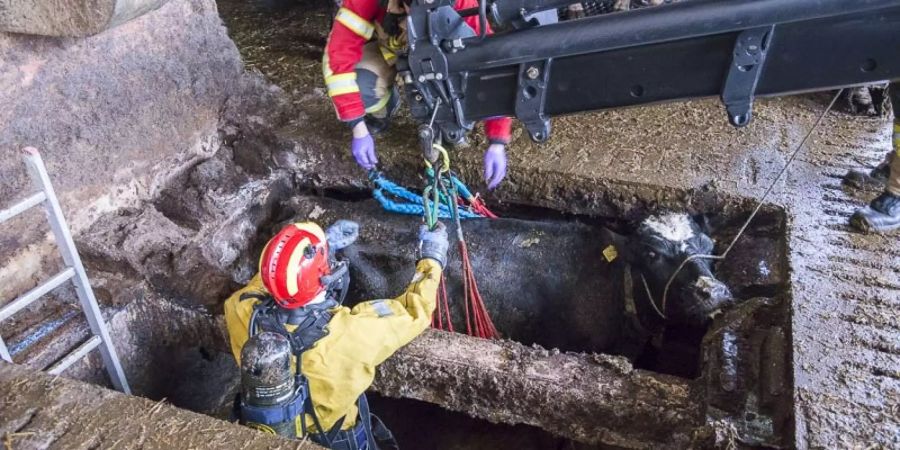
(363,149)
(494,165)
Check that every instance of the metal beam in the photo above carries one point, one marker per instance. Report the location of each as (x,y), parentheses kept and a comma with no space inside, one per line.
(684,20)
(675,52)
(804,56)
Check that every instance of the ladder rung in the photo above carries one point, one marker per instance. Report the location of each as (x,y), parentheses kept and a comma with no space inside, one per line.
(76,354)
(35,293)
(22,206)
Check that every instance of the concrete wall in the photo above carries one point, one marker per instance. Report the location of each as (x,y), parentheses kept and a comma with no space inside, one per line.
(110,113)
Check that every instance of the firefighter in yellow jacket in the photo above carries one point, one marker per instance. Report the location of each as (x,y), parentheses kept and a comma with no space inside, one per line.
(291,312)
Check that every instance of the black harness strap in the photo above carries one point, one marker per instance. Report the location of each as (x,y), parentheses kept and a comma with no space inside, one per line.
(365,416)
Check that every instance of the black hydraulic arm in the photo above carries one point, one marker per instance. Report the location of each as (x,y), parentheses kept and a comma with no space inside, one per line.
(734,49)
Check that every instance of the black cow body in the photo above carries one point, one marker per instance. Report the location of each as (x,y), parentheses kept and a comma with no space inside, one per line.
(543,282)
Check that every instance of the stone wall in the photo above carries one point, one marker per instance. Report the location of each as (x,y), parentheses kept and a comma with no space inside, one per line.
(112,114)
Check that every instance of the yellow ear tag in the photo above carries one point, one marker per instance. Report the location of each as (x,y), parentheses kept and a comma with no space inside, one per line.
(610,253)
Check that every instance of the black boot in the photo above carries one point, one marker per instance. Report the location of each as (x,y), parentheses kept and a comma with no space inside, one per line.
(882,215)
(873,179)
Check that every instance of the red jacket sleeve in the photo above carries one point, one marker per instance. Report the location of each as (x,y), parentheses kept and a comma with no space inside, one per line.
(351,30)
(497,129)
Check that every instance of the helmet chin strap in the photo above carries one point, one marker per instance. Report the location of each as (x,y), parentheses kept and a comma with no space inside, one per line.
(338,280)
(318,298)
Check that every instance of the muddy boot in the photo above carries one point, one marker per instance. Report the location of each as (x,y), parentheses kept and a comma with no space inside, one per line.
(873,179)
(866,100)
(882,215)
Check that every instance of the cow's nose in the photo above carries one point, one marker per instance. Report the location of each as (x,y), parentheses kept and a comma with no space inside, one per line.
(710,295)
(714,289)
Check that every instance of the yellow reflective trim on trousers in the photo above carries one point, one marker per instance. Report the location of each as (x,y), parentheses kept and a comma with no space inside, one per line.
(380,104)
(897,136)
(358,25)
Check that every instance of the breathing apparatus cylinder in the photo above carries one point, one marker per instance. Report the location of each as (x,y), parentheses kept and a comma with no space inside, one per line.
(270,400)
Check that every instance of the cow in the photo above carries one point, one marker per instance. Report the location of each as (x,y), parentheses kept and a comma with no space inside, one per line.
(664,328)
(543,281)
(654,252)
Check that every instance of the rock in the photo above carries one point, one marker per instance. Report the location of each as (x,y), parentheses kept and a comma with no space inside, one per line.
(71,17)
(114,115)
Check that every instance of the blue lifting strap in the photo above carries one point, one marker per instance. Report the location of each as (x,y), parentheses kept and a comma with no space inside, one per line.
(413,202)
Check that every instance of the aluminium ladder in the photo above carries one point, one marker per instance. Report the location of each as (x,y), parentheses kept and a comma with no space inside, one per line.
(73,270)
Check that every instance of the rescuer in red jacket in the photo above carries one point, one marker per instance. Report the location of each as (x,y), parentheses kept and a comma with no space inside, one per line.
(359,73)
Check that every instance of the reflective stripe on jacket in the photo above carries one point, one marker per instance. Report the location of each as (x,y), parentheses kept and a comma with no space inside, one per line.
(341,365)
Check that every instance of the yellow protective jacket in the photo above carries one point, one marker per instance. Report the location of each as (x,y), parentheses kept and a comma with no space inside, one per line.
(341,365)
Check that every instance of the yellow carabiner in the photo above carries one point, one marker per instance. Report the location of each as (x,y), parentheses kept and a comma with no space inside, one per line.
(445,167)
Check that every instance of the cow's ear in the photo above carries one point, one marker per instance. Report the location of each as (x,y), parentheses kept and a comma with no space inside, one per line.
(615,246)
(702,221)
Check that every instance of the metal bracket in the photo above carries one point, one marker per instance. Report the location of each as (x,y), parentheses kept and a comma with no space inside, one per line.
(531,97)
(747,62)
(426,142)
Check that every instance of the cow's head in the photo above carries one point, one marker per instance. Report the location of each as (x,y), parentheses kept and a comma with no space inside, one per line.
(659,245)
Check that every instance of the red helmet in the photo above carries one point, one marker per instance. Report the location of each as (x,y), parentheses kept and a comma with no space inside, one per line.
(293,263)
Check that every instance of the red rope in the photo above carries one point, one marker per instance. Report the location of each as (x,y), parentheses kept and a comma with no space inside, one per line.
(477,206)
(478,320)
(442,309)
(446,300)
(484,326)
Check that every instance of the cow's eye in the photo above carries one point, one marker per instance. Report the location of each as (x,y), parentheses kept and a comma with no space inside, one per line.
(651,254)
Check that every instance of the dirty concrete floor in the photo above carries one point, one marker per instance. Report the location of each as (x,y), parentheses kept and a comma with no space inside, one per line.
(845,284)
(42,411)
